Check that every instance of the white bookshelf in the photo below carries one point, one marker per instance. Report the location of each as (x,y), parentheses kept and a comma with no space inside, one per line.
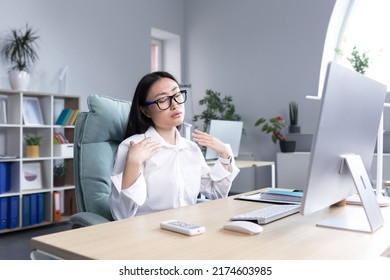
(12,148)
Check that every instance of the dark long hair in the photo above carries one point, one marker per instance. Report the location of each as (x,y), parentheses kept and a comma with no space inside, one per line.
(138,123)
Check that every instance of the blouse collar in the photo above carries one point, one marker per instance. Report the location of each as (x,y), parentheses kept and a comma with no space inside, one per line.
(151,132)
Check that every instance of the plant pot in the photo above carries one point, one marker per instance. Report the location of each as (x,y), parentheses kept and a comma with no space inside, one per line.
(287,146)
(59,181)
(19,80)
(294,129)
(32,151)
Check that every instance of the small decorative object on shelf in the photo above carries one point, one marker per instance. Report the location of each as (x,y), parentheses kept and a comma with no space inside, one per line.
(32,146)
(293,110)
(59,172)
(32,176)
(20,49)
(275,125)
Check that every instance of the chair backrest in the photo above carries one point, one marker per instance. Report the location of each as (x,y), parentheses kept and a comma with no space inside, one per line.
(97,136)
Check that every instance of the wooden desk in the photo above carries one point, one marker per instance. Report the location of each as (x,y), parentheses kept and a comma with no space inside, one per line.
(294,237)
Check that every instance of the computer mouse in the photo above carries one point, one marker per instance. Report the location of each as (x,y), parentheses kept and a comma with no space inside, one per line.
(244,227)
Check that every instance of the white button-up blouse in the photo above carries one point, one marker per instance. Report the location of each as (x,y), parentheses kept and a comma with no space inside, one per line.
(172,178)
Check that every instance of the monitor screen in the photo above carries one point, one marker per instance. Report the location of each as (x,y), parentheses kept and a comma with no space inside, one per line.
(351,108)
(228,132)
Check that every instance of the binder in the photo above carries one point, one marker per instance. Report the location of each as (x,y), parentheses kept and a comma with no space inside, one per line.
(3,212)
(33,209)
(5,177)
(26,210)
(70,202)
(40,207)
(56,206)
(13,212)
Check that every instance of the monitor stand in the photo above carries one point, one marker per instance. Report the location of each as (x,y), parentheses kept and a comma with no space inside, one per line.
(367,197)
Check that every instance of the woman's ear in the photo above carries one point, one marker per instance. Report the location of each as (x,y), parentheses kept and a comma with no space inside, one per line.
(144,111)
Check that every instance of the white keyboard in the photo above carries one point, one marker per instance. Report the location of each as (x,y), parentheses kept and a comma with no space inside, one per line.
(268,214)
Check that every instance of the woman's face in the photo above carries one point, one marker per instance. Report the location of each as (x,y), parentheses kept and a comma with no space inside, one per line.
(174,114)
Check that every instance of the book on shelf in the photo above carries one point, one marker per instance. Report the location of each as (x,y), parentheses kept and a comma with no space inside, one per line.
(5,177)
(26,210)
(72,118)
(56,206)
(63,116)
(33,209)
(58,106)
(67,117)
(284,196)
(40,207)
(9,212)
(59,138)
(3,213)
(13,211)
(70,202)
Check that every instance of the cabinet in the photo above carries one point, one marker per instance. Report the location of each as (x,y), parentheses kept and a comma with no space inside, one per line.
(27,191)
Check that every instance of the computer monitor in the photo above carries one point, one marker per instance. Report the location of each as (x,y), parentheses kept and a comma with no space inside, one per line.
(228,132)
(343,147)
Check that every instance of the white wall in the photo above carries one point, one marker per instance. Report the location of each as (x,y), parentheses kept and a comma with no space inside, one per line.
(104,43)
(263,53)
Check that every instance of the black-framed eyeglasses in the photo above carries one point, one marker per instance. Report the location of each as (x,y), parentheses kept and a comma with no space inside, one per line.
(165,102)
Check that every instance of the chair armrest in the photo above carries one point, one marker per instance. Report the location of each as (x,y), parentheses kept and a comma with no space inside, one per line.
(84,219)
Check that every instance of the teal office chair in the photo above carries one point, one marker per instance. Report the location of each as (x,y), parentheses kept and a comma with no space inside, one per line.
(97,136)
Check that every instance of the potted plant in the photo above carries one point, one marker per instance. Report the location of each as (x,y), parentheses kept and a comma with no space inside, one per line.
(217,108)
(32,145)
(359,61)
(20,50)
(275,125)
(293,111)
(59,172)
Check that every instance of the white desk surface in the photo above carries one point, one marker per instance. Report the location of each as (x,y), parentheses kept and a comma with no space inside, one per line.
(294,237)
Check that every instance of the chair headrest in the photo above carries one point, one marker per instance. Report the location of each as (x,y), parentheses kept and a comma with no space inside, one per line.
(106,120)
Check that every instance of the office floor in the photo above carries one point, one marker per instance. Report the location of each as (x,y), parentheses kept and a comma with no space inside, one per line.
(16,245)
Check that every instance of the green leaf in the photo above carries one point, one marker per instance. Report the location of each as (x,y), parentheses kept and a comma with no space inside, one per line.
(259,121)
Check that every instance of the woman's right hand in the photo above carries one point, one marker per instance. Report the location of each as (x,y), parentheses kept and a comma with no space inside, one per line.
(137,154)
(142,151)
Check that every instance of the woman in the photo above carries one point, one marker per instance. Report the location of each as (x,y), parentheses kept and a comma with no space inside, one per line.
(156,168)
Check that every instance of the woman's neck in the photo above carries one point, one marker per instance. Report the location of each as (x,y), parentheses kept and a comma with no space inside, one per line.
(169,135)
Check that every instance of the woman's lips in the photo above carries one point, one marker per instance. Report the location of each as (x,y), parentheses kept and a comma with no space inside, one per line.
(177,115)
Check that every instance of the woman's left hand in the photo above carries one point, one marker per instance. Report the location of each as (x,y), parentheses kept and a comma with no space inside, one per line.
(204,139)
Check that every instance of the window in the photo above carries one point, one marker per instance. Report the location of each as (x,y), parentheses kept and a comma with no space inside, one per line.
(166,52)
(367,29)
(156,55)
